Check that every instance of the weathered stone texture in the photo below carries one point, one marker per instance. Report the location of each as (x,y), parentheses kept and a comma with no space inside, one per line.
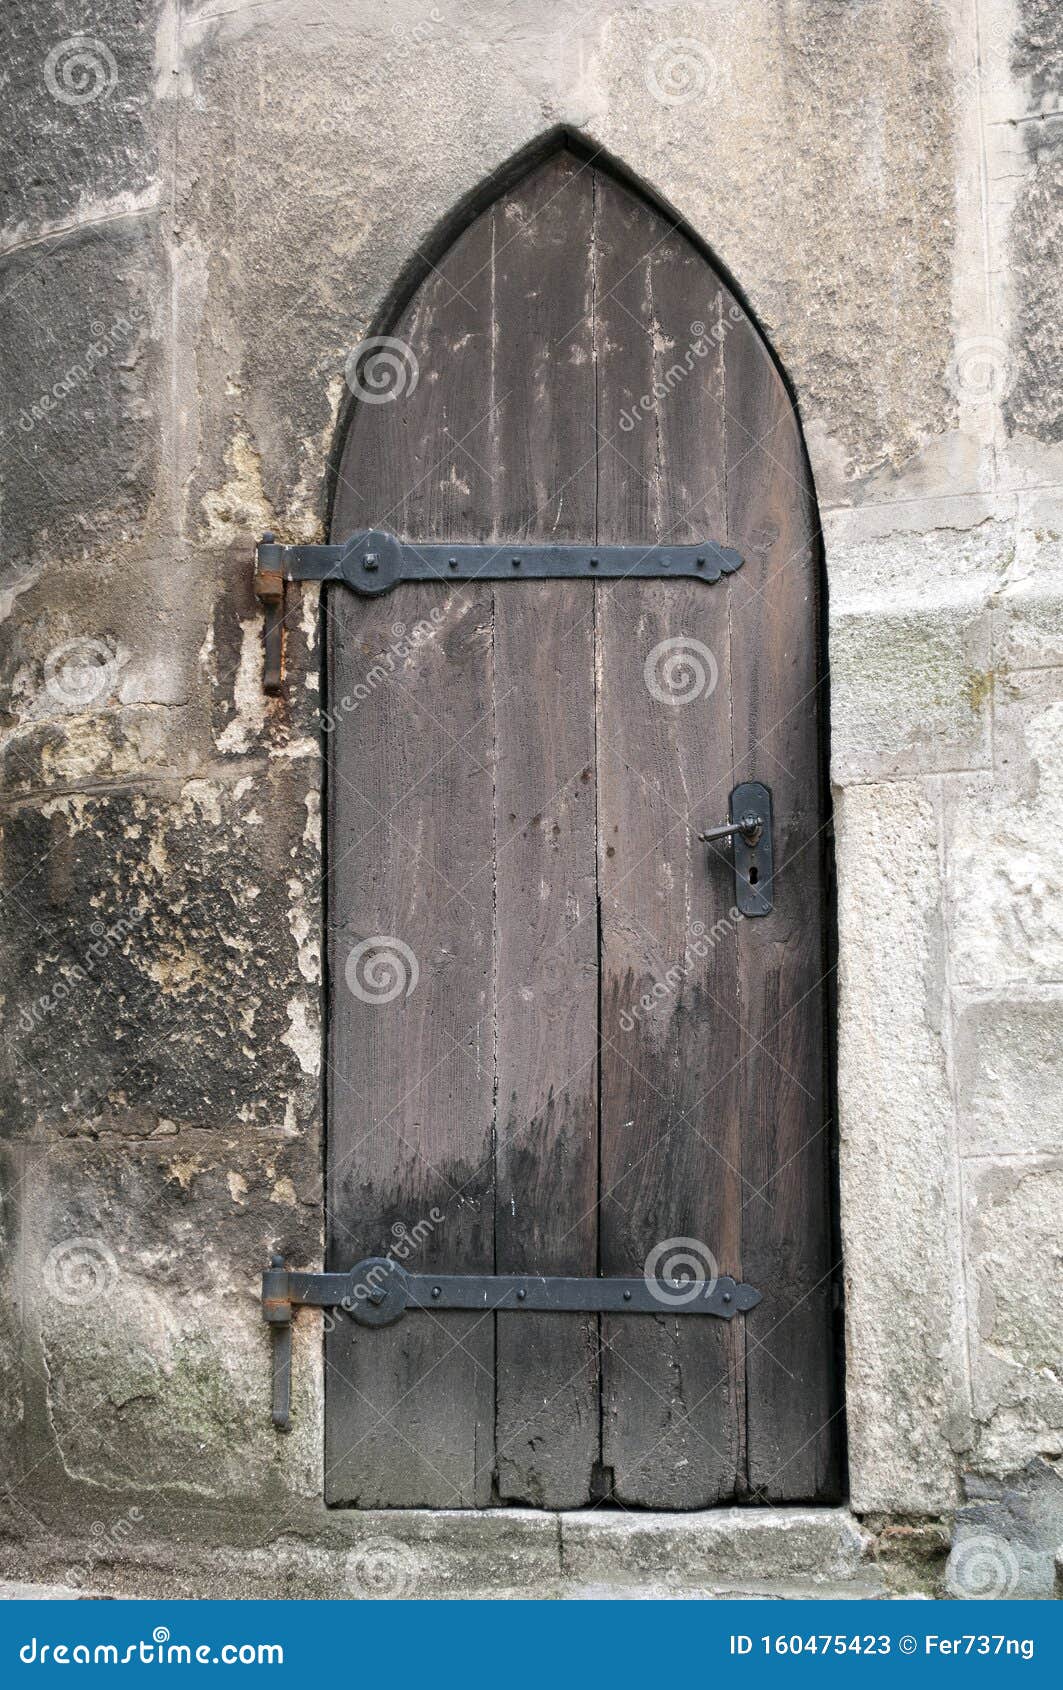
(82,123)
(1004,852)
(162,961)
(904,1309)
(1037,52)
(146,1358)
(81,394)
(1034,403)
(1007,1537)
(1009,1068)
(1017,1314)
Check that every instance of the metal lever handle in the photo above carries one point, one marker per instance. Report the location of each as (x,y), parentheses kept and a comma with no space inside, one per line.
(749,826)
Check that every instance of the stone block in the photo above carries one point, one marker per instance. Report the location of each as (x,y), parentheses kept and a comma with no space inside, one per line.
(146,1356)
(911,635)
(1028,618)
(1007,1537)
(162,957)
(81,402)
(729,1546)
(1008,1060)
(906,1393)
(1015,1265)
(83,124)
(1004,848)
(910,691)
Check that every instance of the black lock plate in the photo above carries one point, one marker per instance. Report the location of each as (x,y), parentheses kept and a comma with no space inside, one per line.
(754,860)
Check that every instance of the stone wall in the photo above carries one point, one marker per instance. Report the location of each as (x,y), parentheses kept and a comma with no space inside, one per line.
(208,206)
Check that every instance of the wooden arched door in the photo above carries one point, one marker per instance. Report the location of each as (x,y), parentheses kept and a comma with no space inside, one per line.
(553,1046)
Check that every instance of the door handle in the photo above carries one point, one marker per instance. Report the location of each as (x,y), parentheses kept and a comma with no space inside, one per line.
(749,829)
(748,825)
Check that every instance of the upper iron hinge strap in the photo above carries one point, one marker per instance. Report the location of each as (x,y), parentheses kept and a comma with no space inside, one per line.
(374,561)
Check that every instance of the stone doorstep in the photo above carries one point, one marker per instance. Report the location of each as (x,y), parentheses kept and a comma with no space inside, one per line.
(504,1553)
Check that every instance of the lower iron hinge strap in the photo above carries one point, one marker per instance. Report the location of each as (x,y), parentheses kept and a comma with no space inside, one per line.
(379,1291)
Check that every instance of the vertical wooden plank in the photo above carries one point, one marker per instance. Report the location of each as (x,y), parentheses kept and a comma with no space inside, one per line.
(547,1430)
(672,1409)
(409,1408)
(793,1430)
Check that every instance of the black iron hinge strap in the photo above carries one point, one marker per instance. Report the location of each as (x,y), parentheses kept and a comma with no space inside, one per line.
(379,1291)
(373,562)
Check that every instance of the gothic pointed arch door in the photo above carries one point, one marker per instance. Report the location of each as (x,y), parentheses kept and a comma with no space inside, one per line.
(554,1046)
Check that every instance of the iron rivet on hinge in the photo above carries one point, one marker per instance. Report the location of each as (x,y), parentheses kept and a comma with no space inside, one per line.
(521,1296)
(369,560)
(437,1290)
(627,1296)
(516,563)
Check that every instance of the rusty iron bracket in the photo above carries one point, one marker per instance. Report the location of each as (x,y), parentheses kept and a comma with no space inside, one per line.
(372,562)
(379,1291)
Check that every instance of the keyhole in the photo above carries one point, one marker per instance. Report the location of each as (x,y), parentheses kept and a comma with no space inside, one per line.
(754,874)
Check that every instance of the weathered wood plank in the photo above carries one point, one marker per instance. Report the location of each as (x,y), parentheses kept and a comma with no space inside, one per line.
(670,1126)
(793,1429)
(547,1135)
(410,1408)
